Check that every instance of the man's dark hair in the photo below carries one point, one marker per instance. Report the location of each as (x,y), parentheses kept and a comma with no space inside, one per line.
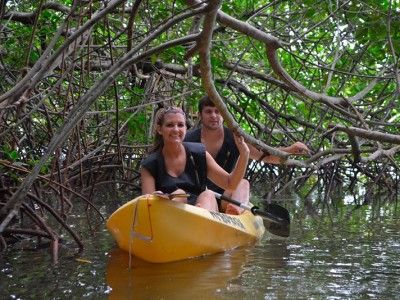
(205,101)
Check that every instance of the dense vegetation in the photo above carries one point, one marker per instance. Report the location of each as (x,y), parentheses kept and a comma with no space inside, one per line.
(80,82)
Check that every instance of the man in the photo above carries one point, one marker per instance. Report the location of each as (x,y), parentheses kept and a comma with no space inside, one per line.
(219,142)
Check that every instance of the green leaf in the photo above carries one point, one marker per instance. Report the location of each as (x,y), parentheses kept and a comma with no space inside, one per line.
(13,155)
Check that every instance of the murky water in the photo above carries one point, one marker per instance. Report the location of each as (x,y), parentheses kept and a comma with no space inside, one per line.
(329,256)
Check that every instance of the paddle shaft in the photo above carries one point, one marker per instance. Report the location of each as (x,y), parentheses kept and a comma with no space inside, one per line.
(254,209)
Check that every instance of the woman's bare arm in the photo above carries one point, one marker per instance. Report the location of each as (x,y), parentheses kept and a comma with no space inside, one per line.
(148,182)
(225,180)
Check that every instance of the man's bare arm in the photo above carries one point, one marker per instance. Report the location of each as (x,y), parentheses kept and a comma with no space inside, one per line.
(297,148)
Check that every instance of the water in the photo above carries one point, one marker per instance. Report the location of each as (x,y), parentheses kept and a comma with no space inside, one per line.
(332,255)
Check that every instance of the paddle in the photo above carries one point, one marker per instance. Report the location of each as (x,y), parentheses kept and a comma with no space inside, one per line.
(277,218)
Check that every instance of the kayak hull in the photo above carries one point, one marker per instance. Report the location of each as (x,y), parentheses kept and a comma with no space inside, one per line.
(159,230)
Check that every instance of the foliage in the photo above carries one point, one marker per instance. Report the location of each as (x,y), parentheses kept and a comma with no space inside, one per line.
(78,93)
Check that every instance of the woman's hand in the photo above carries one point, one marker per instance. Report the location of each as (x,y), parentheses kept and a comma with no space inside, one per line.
(179,195)
(241,145)
(178,192)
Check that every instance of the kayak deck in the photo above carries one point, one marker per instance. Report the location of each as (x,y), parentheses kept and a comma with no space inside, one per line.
(159,230)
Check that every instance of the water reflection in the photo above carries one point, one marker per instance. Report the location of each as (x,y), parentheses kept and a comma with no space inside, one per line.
(204,276)
(324,258)
(210,277)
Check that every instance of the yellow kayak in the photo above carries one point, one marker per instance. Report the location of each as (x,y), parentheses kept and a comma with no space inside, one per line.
(159,230)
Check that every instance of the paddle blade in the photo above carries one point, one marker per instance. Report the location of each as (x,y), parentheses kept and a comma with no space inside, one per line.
(278,210)
(276,219)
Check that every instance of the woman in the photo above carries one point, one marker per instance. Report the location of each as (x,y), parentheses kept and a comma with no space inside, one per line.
(176,167)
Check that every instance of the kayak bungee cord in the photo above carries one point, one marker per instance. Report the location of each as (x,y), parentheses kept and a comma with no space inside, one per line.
(136,234)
